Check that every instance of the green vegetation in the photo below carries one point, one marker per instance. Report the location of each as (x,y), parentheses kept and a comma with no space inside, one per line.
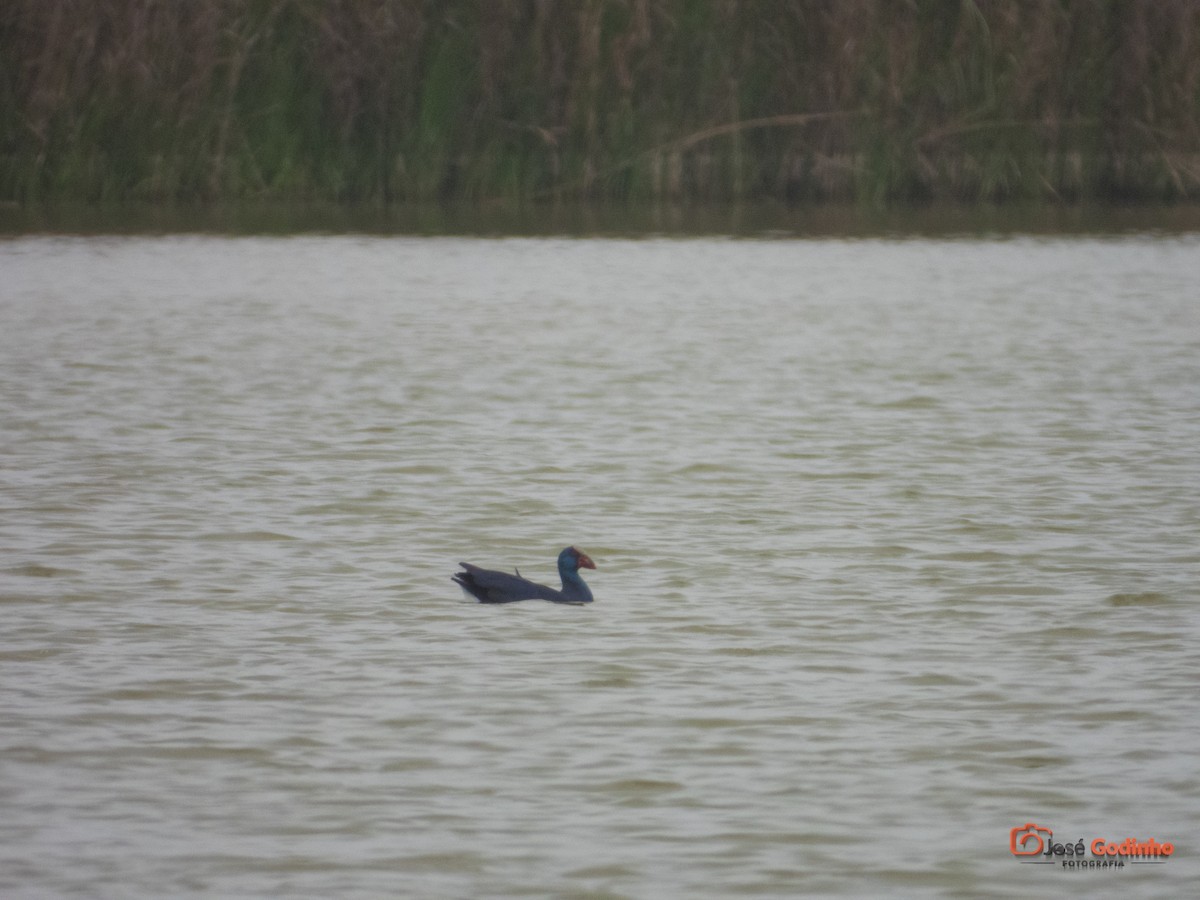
(399,100)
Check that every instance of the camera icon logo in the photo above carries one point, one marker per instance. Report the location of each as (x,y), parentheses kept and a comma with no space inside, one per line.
(1029,839)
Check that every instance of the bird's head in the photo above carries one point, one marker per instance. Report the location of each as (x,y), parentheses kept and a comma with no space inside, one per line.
(572,558)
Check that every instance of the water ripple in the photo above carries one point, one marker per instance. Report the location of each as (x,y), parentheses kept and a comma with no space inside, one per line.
(895,547)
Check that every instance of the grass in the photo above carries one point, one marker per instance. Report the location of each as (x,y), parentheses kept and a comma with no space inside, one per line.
(402,100)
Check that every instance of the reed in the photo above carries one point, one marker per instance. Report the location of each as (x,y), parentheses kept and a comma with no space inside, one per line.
(401,100)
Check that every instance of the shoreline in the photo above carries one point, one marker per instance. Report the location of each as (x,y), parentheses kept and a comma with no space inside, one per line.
(758,220)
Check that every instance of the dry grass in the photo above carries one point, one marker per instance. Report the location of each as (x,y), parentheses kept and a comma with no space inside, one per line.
(385,100)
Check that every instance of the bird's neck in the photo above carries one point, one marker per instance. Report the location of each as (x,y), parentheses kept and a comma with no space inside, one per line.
(573,584)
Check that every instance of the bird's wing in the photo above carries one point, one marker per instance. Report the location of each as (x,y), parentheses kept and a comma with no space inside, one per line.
(491,586)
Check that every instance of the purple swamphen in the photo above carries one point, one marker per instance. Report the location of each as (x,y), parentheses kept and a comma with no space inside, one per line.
(490,586)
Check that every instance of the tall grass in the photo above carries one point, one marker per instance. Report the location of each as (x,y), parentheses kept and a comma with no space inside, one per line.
(392,100)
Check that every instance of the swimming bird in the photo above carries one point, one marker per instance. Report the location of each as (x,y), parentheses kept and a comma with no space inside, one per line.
(489,586)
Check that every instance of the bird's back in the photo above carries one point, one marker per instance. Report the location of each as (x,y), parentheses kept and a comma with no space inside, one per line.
(490,586)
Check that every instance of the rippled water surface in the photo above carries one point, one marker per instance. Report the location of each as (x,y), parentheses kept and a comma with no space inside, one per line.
(897,547)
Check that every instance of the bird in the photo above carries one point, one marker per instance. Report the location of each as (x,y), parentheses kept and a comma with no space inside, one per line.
(490,586)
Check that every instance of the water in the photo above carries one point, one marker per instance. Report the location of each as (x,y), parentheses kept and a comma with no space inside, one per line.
(897,549)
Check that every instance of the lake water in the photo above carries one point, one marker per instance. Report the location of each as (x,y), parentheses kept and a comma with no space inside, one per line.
(898,547)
